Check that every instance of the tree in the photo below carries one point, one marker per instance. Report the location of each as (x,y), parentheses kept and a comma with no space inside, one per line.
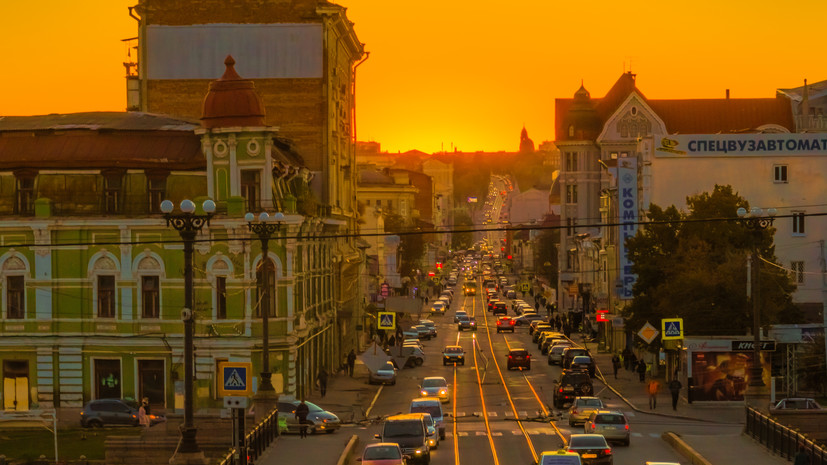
(547,243)
(462,240)
(693,266)
(411,242)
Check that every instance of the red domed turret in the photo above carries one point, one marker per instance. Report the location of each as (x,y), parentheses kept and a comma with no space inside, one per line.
(232,101)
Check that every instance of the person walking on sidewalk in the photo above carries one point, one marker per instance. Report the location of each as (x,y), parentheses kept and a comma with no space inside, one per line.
(641,370)
(652,388)
(351,361)
(302,410)
(321,378)
(675,389)
(627,359)
(143,413)
(615,363)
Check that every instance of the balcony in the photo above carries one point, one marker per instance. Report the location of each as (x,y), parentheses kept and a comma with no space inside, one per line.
(811,123)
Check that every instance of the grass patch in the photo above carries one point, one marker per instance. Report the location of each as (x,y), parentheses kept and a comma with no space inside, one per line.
(30,443)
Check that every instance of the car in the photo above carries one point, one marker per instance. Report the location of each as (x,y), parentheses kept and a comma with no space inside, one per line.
(413,342)
(453,354)
(499,309)
(511,294)
(571,385)
(458,314)
(536,327)
(551,340)
(555,352)
(797,403)
(570,353)
(435,386)
(519,358)
(582,407)
(433,406)
(430,325)
(108,412)
(386,374)
(410,433)
(505,323)
(583,362)
(526,318)
(559,457)
(467,322)
(423,332)
(611,424)
(382,453)
(438,308)
(592,448)
(319,420)
(433,434)
(410,333)
(469,288)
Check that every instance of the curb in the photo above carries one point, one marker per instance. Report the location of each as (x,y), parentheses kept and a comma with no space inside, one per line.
(684,449)
(344,459)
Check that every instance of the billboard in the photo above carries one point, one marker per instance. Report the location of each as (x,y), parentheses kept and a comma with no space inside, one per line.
(628,212)
(724,376)
(741,145)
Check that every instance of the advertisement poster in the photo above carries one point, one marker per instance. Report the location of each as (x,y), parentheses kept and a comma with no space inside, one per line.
(724,376)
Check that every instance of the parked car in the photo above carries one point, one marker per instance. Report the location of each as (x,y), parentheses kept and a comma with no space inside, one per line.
(108,412)
(410,333)
(511,294)
(467,322)
(570,385)
(611,424)
(453,354)
(592,448)
(585,363)
(433,406)
(560,457)
(505,323)
(526,318)
(410,433)
(435,386)
(519,358)
(797,403)
(550,341)
(319,420)
(555,352)
(382,453)
(423,332)
(430,325)
(536,328)
(582,407)
(438,308)
(386,374)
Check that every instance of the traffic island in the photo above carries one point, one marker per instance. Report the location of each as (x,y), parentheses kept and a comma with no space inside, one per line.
(684,449)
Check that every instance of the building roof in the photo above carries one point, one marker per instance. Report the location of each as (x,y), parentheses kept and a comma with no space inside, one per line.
(232,101)
(99,140)
(687,116)
(371,176)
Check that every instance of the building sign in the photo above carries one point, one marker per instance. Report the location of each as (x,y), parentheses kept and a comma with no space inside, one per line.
(472,200)
(749,346)
(628,211)
(601,316)
(742,145)
(385,289)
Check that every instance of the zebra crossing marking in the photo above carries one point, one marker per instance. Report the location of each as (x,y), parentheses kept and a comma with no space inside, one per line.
(492,414)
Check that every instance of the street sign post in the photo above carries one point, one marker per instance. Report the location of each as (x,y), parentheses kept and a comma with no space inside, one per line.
(236,387)
(672,328)
(386,321)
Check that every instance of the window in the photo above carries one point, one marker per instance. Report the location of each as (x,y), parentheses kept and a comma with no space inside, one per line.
(112,183)
(250,189)
(151,297)
(106,297)
(221,297)
(624,154)
(15,297)
(571,161)
(798,223)
(571,193)
(571,130)
(571,226)
(779,173)
(271,287)
(156,189)
(797,272)
(613,155)
(24,203)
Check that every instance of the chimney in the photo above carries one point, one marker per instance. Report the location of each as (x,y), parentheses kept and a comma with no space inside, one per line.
(727,94)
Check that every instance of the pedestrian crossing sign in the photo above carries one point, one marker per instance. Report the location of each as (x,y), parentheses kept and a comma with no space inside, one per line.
(386,320)
(672,328)
(524,287)
(236,379)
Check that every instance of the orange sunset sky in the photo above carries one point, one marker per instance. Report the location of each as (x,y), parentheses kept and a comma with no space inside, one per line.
(457,73)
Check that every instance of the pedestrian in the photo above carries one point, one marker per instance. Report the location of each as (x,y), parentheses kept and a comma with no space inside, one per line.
(351,361)
(537,305)
(632,361)
(615,363)
(321,378)
(641,370)
(627,358)
(801,457)
(143,413)
(652,388)
(426,300)
(675,388)
(392,341)
(302,410)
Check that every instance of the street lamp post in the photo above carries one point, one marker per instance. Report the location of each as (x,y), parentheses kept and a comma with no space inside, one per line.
(756,222)
(265,228)
(188,224)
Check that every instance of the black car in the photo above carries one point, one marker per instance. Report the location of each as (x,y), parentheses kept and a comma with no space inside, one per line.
(570,353)
(500,309)
(106,412)
(592,449)
(572,384)
(453,354)
(519,358)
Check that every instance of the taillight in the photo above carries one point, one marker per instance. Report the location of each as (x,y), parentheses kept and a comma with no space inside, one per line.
(572,451)
(509,357)
(561,390)
(574,411)
(527,357)
(593,425)
(627,427)
(607,451)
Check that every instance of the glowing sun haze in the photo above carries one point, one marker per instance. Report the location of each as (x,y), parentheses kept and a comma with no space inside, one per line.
(457,73)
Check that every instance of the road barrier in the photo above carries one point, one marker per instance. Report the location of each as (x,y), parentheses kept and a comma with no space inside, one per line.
(781,439)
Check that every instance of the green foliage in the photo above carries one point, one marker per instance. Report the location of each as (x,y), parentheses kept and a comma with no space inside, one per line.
(462,240)
(695,269)
(547,243)
(411,246)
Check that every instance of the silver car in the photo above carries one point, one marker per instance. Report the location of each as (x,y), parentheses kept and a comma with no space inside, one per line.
(386,374)
(555,353)
(611,424)
(582,408)
(435,386)
(430,325)
(318,420)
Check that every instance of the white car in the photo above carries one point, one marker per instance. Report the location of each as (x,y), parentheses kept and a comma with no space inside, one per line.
(438,307)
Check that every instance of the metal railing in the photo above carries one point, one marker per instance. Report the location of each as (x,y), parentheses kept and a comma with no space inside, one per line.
(256,441)
(781,439)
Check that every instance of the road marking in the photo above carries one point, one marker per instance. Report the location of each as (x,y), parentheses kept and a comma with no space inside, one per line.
(483,433)
(637,435)
(462,433)
(367,412)
(492,414)
(509,414)
(654,435)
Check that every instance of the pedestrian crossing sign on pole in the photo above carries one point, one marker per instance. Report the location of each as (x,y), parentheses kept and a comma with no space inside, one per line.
(386,320)
(236,379)
(672,328)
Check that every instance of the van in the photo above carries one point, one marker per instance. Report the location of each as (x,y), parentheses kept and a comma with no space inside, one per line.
(560,457)
(411,433)
(433,406)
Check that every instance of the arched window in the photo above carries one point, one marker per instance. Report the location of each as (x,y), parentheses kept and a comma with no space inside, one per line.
(14,273)
(149,282)
(103,273)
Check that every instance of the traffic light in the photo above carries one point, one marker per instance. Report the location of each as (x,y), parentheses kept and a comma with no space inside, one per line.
(509,257)
(438,265)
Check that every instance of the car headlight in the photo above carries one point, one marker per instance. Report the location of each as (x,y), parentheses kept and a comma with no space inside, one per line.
(442,392)
(431,442)
(424,393)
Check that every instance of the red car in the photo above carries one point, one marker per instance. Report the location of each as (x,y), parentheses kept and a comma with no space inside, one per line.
(382,453)
(519,358)
(505,323)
